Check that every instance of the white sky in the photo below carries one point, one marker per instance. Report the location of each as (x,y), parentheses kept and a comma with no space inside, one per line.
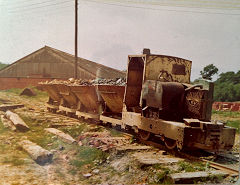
(108,33)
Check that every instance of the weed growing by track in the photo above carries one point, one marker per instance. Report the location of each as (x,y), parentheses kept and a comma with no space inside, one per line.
(230,114)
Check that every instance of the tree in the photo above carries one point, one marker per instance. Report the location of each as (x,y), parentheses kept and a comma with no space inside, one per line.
(227,87)
(2,65)
(226,77)
(208,71)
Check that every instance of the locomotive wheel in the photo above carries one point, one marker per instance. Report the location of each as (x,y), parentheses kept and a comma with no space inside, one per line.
(144,135)
(170,143)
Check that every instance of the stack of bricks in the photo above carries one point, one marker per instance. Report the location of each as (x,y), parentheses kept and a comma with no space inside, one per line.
(226,106)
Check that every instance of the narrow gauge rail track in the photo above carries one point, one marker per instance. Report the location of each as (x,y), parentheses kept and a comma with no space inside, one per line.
(222,167)
(182,154)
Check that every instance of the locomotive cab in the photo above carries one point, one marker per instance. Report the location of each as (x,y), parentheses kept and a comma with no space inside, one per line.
(154,86)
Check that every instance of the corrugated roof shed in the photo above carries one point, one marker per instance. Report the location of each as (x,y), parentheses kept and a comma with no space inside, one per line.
(52,63)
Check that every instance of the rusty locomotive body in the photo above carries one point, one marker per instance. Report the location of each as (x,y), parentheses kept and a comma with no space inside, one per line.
(157,99)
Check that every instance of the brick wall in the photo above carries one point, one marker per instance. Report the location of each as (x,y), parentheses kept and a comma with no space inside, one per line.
(8,83)
(230,106)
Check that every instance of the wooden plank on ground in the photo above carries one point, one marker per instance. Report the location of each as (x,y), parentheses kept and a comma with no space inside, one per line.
(61,134)
(191,177)
(17,121)
(153,157)
(37,153)
(132,147)
(5,107)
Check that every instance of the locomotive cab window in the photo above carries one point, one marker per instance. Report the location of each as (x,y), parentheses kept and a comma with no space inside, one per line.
(178,69)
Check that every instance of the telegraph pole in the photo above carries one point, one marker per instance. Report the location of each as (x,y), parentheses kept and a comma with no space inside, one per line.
(76,39)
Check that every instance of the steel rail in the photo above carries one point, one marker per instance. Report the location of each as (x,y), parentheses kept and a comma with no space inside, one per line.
(230,171)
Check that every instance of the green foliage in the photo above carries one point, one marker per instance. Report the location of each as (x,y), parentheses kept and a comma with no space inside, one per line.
(227,114)
(230,77)
(2,65)
(75,131)
(208,71)
(115,133)
(15,161)
(191,167)
(227,87)
(38,135)
(235,124)
(14,91)
(162,177)
(2,128)
(202,82)
(158,174)
(87,155)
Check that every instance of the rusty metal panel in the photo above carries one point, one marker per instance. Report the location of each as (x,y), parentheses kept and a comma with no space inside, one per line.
(70,98)
(132,119)
(228,137)
(198,104)
(210,136)
(113,96)
(52,91)
(167,67)
(172,130)
(87,96)
(134,81)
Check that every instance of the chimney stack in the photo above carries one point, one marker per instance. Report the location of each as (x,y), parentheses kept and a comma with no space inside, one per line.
(146,51)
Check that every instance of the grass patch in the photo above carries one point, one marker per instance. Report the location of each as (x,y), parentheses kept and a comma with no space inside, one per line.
(75,131)
(15,161)
(3,148)
(159,174)
(14,91)
(227,114)
(40,95)
(162,177)
(2,128)
(115,133)
(38,135)
(87,155)
(210,179)
(191,167)
(59,173)
(73,171)
(235,124)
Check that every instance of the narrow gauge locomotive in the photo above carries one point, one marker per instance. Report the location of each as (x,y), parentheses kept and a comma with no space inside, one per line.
(157,99)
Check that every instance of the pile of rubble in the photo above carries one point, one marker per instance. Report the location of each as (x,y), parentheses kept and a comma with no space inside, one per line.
(99,81)
(116,81)
(102,140)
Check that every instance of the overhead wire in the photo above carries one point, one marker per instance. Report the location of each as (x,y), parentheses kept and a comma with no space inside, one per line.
(33,4)
(177,3)
(151,8)
(65,10)
(132,5)
(37,7)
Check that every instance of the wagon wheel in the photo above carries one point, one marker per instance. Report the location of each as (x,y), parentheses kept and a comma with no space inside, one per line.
(144,135)
(170,143)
